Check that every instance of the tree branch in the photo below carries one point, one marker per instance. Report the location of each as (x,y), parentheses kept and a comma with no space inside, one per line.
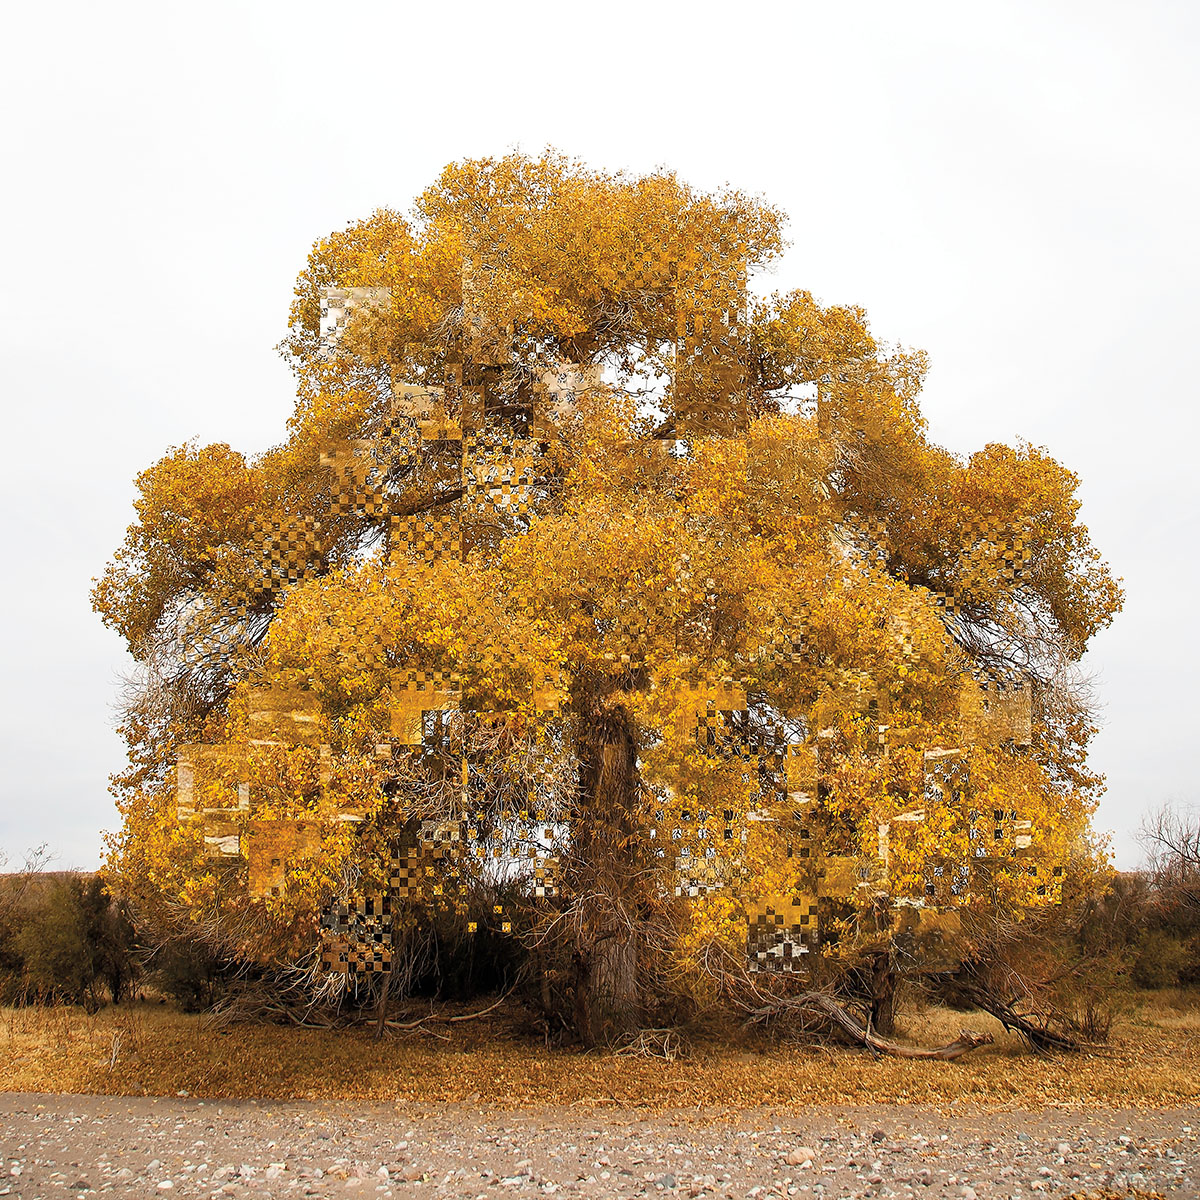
(829,1009)
(437,1018)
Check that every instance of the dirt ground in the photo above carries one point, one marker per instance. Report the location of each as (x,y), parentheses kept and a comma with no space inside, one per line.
(145,1101)
(58,1146)
(1153,1062)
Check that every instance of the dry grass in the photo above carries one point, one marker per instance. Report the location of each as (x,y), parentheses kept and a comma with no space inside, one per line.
(1154,1061)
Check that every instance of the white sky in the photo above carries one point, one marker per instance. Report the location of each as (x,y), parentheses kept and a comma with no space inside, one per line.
(1012,187)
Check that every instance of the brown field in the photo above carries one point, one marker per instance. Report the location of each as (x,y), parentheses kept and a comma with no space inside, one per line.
(146,1049)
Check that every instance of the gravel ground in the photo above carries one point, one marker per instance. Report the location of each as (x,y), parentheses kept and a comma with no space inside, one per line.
(56,1146)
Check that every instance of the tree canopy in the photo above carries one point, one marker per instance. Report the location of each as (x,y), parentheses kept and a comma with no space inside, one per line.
(595,599)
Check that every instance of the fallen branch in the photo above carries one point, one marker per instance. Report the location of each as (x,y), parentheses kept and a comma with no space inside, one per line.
(810,1003)
(439,1018)
(1038,1037)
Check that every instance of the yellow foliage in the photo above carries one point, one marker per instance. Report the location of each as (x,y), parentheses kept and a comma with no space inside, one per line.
(557,491)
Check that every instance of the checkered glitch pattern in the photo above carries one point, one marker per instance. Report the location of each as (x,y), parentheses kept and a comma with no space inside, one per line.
(781,937)
(338,306)
(699,874)
(356,939)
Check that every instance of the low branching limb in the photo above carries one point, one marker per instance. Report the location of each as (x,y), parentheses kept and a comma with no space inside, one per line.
(820,1013)
(810,1004)
(1038,1037)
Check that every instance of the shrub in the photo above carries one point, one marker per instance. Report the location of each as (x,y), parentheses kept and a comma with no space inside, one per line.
(57,961)
(65,938)
(190,972)
(1160,960)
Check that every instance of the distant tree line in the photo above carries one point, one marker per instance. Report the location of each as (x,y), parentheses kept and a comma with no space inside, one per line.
(1168,936)
(65,938)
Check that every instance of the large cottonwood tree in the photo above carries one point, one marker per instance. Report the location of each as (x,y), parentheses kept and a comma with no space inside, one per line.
(581,564)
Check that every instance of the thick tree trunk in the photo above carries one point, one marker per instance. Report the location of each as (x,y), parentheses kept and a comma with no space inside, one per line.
(883,993)
(607,854)
(607,994)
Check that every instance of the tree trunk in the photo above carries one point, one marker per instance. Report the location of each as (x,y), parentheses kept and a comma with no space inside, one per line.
(384,993)
(1037,1033)
(606,879)
(607,994)
(883,993)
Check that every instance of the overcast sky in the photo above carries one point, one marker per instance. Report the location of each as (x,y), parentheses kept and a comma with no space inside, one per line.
(1012,187)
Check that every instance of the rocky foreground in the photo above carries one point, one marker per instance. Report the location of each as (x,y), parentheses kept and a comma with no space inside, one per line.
(57,1146)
